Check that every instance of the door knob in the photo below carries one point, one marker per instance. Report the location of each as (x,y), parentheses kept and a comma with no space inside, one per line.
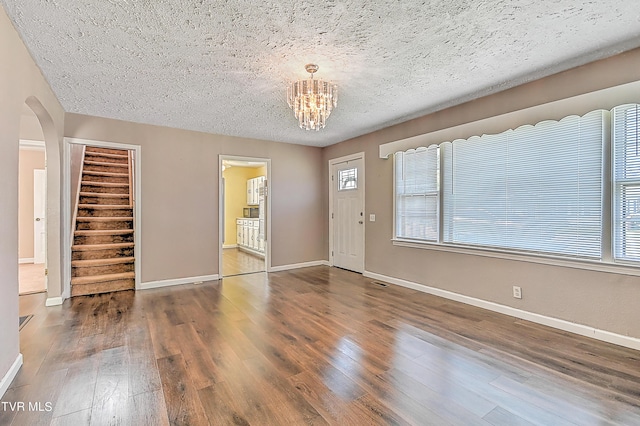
(360,222)
(37,219)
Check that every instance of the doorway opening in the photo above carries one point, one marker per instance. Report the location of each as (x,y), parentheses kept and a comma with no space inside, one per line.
(32,226)
(346,212)
(244,215)
(102,217)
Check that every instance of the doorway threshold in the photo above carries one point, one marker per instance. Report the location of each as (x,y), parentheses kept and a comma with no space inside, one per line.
(244,273)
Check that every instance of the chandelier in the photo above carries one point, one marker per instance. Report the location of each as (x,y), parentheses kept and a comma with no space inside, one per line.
(312,100)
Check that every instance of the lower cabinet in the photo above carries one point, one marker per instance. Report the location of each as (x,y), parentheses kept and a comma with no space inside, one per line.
(249,236)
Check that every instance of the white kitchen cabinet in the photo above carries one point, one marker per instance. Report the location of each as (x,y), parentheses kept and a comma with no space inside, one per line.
(249,236)
(251,199)
(252,238)
(254,189)
(240,232)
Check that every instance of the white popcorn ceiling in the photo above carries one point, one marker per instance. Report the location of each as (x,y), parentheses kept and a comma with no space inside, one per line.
(223,66)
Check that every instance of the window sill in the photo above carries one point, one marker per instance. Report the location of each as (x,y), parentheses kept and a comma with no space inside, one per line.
(591,265)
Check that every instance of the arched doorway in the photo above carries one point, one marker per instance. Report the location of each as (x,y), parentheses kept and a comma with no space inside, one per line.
(53,201)
(31,206)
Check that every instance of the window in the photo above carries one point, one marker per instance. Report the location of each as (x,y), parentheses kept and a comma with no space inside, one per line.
(417,194)
(626,178)
(347,179)
(533,189)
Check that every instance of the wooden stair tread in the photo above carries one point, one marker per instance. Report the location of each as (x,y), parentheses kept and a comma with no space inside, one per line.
(103,194)
(99,262)
(103,218)
(101,163)
(94,232)
(111,174)
(94,183)
(106,154)
(101,278)
(105,206)
(105,246)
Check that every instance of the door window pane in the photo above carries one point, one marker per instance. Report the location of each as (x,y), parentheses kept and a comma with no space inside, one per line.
(347,179)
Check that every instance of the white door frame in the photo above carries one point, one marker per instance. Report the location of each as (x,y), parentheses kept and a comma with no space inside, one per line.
(267,248)
(361,179)
(66,208)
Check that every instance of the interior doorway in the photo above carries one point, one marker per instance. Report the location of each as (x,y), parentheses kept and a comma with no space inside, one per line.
(101,223)
(32,179)
(244,219)
(346,212)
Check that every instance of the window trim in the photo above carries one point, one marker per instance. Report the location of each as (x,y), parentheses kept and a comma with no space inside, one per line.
(618,267)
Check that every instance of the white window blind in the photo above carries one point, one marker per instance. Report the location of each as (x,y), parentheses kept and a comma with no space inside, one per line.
(626,176)
(536,188)
(417,194)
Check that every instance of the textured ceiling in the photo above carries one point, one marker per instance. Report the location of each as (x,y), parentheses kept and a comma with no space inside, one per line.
(223,66)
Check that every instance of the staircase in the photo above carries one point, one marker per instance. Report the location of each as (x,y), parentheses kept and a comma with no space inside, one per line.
(102,252)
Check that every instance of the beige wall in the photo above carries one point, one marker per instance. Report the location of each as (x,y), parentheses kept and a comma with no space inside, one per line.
(76,160)
(236,197)
(30,128)
(30,160)
(179,199)
(20,82)
(602,300)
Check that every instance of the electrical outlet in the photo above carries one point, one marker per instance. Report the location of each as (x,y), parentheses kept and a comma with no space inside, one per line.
(517,292)
(197,282)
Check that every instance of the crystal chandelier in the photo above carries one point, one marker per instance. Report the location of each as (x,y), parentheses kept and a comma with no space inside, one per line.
(312,100)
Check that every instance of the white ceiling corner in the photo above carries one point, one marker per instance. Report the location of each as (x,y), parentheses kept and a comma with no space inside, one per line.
(223,67)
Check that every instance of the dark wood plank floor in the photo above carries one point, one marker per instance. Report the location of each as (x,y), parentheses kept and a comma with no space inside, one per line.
(309,346)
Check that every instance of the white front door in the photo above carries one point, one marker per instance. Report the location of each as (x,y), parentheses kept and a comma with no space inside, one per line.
(348,214)
(39,222)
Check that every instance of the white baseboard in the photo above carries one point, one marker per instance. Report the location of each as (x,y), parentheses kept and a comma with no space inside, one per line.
(11,374)
(299,265)
(26,260)
(224,246)
(54,301)
(583,330)
(177,281)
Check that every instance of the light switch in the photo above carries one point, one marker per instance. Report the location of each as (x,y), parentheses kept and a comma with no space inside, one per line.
(372,218)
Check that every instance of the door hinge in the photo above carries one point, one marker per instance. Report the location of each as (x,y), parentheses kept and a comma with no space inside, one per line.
(332,253)
(46,272)
(331,178)
(331,215)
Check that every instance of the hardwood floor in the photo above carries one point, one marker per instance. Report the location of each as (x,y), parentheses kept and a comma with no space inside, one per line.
(31,278)
(309,346)
(237,262)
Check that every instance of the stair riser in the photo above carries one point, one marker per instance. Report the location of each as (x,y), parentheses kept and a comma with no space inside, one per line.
(91,157)
(102,239)
(104,200)
(105,212)
(104,287)
(99,225)
(88,271)
(105,189)
(108,179)
(101,254)
(114,168)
